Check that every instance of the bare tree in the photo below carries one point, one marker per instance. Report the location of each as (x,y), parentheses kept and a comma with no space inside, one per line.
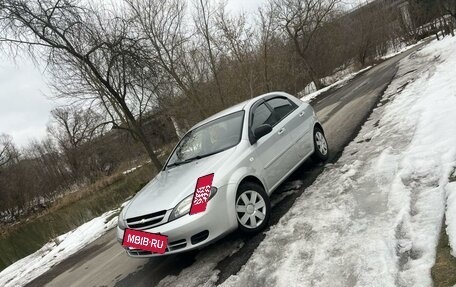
(449,6)
(72,128)
(161,26)
(236,38)
(204,23)
(92,54)
(267,30)
(8,151)
(370,30)
(185,43)
(301,20)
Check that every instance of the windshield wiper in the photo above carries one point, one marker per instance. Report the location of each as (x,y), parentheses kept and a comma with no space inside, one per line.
(191,159)
(185,161)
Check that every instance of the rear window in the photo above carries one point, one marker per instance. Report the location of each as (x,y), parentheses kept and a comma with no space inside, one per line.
(281,107)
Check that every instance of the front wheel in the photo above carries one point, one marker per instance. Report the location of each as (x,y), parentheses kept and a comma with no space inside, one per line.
(253,208)
(321,146)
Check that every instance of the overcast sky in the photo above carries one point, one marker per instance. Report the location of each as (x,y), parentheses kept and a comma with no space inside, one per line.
(24,101)
(24,110)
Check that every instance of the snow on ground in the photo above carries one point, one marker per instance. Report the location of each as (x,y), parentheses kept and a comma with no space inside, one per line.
(201,273)
(131,169)
(28,268)
(308,98)
(373,218)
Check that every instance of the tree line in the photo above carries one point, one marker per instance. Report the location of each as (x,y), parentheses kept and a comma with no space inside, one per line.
(136,73)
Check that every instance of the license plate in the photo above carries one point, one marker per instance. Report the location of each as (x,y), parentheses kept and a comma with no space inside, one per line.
(145,241)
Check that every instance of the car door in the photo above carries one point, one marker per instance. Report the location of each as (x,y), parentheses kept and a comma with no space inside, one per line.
(272,150)
(287,111)
(299,124)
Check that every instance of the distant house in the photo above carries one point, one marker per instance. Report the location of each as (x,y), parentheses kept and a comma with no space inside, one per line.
(402,6)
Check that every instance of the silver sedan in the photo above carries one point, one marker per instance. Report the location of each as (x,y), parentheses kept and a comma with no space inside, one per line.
(250,149)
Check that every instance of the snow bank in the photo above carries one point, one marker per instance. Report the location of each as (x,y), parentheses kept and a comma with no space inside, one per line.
(400,50)
(373,218)
(28,268)
(308,98)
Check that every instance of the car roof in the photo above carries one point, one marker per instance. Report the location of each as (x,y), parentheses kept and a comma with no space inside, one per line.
(238,107)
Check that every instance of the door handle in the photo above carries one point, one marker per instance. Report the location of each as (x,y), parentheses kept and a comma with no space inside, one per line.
(281,131)
(302,113)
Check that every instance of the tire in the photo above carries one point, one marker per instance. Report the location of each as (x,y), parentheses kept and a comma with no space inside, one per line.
(252,218)
(321,152)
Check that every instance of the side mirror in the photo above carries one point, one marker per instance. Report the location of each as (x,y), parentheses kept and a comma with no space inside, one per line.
(261,131)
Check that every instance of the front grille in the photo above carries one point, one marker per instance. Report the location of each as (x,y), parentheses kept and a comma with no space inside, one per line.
(146,221)
(172,246)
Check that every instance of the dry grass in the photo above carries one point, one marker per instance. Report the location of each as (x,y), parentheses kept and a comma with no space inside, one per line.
(444,270)
(84,191)
(68,213)
(71,198)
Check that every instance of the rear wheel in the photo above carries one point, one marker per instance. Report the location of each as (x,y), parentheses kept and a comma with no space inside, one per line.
(253,208)
(321,146)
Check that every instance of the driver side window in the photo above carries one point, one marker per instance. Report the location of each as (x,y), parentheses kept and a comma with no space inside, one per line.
(262,115)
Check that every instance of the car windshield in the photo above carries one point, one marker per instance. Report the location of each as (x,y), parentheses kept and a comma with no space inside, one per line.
(208,139)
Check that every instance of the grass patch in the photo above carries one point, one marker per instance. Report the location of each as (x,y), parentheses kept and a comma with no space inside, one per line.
(68,213)
(444,270)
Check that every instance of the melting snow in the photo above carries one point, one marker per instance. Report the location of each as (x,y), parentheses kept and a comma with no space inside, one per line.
(28,268)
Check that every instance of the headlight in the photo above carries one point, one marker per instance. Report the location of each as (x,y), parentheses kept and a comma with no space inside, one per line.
(183,207)
(120,219)
(213,192)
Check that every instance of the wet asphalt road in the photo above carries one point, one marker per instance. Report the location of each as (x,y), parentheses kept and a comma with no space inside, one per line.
(342,112)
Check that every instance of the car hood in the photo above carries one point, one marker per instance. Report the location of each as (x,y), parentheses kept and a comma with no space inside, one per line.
(172,185)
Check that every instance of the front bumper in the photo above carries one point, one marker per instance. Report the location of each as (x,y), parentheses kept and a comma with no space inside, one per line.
(195,231)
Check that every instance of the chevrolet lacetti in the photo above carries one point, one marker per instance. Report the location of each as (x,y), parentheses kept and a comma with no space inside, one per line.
(242,154)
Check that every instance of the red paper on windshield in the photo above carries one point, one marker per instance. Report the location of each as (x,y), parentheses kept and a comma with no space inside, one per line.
(201,194)
(145,241)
